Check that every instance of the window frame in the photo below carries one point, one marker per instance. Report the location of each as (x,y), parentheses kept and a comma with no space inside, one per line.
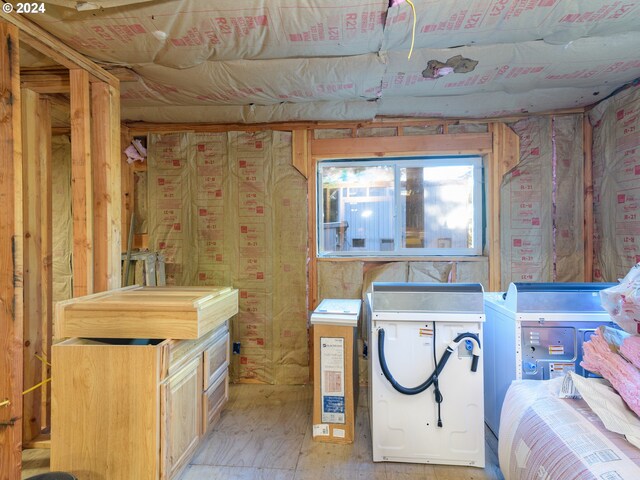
(475,161)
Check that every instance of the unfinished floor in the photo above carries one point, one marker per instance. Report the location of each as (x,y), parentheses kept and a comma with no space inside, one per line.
(265,434)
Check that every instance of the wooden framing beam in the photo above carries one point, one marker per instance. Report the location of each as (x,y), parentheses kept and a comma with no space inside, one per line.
(446,144)
(299,150)
(587,144)
(46,252)
(312,263)
(37,37)
(32,217)
(143,128)
(11,241)
(311,230)
(105,141)
(81,184)
(57,82)
(505,155)
(127,192)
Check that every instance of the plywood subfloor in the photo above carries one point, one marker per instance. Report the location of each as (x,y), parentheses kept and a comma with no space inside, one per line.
(35,461)
(264,433)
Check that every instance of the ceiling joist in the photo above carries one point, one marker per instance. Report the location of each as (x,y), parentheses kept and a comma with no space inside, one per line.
(41,40)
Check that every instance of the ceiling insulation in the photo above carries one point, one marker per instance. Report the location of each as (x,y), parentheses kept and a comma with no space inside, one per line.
(286,60)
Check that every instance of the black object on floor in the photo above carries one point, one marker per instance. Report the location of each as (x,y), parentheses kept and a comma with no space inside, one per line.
(54,476)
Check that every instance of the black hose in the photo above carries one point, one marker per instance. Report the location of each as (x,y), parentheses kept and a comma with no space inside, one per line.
(429,381)
(436,385)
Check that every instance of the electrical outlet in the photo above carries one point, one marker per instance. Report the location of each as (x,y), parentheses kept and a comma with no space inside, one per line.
(236,348)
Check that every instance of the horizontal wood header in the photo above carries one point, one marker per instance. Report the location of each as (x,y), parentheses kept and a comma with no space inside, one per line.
(440,144)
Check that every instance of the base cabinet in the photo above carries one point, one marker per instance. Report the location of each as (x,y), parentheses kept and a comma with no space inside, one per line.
(181,410)
(122,410)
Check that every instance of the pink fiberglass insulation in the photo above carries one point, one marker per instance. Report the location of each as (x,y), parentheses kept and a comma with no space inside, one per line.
(623,343)
(623,376)
(630,349)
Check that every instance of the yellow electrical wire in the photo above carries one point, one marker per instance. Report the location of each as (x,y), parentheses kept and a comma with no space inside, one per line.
(4,403)
(413,30)
(36,386)
(43,360)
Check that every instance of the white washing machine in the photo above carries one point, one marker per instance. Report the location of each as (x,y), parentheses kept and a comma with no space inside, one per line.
(412,328)
(535,331)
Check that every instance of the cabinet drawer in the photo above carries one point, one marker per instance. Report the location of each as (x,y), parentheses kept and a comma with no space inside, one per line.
(213,400)
(216,360)
(180,352)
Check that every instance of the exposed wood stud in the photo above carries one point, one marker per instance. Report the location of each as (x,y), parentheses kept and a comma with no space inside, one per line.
(105,155)
(493,211)
(587,144)
(11,255)
(505,155)
(32,217)
(46,227)
(312,219)
(81,184)
(127,191)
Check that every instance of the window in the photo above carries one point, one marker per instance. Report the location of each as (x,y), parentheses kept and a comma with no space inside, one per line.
(417,206)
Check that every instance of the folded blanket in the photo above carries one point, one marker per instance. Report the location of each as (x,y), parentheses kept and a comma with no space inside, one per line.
(602,358)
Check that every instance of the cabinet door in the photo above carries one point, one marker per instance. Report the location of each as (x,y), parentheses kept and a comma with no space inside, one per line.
(216,360)
(214,399)
(181,417)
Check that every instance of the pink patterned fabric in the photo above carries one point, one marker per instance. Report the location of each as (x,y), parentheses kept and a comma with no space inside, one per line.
(545,437)
(601,358)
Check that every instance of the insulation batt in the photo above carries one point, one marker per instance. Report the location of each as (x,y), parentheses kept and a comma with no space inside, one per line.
(601,358)
(630,349)
(623,343)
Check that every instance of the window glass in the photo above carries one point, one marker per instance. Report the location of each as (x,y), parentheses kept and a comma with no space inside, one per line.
(425,206)
(356,220)
(436,205)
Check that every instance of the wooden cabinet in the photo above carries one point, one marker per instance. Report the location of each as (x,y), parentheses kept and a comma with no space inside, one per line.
(146,312)
(181,410)
(130,409)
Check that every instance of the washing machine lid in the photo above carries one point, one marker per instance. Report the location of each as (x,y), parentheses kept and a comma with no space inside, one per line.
(427,297)
(555,297)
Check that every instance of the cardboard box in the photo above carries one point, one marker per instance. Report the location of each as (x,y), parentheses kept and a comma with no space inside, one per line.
(335,391)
